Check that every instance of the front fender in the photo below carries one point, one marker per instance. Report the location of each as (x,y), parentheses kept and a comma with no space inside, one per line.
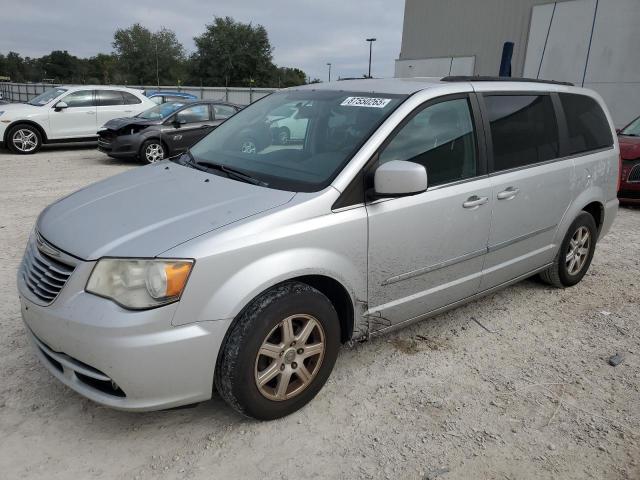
(235,266)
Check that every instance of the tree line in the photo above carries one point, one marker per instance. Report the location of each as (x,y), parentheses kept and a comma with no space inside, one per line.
(228,53)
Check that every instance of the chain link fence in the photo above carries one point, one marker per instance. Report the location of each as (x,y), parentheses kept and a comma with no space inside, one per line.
(23,92)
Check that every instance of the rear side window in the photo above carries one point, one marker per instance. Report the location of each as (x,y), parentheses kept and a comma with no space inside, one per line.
(586,123)
(223,111)
(109,97)
(130,99)
(524,130)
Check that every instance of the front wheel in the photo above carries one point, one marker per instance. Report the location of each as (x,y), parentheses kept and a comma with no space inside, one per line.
(279,353)
(575,254)
(24,139)
(152,151)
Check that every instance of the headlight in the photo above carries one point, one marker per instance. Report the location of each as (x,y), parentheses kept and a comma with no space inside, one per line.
(139,284)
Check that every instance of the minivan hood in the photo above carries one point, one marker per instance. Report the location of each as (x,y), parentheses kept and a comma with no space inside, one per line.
(148,210)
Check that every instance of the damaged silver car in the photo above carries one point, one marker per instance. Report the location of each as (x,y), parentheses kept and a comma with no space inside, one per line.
(244,263)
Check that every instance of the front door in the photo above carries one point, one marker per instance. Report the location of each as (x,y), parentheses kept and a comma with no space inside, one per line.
(427,251)
(531,187)
(188,126)
(77,120)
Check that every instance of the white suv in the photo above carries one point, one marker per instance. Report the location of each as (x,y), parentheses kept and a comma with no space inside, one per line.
(66,113)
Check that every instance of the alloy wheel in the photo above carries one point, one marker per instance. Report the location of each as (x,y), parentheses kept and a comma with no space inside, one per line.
(248,146)
(154,152)
(578,253)
(290,357)
(25,140)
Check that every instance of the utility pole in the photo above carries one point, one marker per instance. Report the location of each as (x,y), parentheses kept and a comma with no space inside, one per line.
(329,64)
(370,40)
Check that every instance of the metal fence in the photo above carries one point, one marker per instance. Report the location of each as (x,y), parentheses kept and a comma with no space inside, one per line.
(23,92)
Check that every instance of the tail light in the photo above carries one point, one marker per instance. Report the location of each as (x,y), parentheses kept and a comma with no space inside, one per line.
(619,172)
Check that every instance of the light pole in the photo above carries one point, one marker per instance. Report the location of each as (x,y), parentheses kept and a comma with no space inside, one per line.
(370,40)
(329,65)
(157,66)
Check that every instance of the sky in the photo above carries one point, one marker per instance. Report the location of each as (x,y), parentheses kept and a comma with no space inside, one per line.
(306,34)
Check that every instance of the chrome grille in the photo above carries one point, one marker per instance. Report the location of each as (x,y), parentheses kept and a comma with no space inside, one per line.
(634,174)
(43,274)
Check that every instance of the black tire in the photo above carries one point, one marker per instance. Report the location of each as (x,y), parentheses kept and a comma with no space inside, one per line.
(30,132)
(558,274)
(145,156)
(236,371)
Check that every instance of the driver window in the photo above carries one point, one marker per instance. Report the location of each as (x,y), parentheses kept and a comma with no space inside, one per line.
(440,137)
(195,114)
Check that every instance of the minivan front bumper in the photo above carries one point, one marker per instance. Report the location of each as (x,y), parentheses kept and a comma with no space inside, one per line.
(128,360)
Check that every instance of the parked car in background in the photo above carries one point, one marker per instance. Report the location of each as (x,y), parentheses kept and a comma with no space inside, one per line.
(162,131)
(247,269)
(629,139)
(160,96)
(287,126)
(66,113)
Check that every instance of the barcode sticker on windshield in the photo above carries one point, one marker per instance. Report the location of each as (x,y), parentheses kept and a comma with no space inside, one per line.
(370,102)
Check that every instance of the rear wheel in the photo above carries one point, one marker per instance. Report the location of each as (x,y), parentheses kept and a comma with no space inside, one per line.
(575,254)
(279,352)
(24,139)
(152,151)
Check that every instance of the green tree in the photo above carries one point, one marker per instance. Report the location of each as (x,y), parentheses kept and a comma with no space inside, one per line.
(232,53)
(287,77)
(140,52)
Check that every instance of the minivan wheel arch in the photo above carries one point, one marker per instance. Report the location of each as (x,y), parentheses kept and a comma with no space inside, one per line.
(43,134)
(337,294)
(596,210)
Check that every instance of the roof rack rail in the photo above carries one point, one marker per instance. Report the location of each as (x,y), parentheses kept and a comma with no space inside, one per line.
(482,78)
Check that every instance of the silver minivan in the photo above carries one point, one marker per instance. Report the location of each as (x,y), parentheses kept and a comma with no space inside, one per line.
(243,264)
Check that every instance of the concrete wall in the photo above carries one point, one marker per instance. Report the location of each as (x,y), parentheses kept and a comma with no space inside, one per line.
(590,42)
(467,28)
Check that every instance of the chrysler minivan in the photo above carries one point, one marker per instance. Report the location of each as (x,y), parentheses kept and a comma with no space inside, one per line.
(244,270)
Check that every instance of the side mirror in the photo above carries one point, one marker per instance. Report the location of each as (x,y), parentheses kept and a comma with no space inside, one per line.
(399,178)
(177,123)
(60,105)
(618,130)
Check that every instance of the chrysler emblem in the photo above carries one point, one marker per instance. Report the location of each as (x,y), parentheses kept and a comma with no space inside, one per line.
(45,248)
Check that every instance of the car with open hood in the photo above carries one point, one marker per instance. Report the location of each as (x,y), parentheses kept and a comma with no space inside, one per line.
(164,130)
(244,269)
(66,114)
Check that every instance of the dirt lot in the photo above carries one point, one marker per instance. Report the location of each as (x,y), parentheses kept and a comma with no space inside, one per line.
(529,396)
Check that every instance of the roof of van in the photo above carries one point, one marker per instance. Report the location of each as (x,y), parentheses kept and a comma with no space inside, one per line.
(408,86)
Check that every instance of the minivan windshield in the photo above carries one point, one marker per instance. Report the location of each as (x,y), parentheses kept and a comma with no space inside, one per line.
(633,129)
(295,140)
(47,96)
(161,111)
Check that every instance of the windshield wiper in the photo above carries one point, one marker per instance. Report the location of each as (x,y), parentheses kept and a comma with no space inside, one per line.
(231,172)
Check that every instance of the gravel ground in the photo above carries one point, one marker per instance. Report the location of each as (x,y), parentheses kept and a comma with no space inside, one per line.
(523,391)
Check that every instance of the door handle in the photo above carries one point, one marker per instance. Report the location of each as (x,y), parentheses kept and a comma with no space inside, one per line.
(128,111)
(475,201)
(508,194)
(91,113)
